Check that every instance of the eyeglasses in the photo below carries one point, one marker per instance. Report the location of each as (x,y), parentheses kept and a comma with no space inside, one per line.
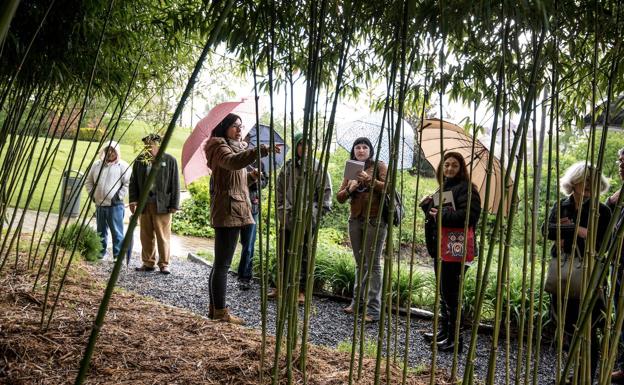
(239,126)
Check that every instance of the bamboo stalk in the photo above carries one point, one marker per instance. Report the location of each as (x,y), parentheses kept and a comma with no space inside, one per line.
(483,267)
(99,321)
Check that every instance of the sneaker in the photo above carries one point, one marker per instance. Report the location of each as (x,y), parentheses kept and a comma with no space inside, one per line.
(145,268)
(244,284)
(165,270)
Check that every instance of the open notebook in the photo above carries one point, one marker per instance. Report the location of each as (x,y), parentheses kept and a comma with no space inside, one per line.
(447,199)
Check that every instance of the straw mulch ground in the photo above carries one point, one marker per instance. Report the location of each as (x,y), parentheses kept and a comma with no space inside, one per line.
(142,342)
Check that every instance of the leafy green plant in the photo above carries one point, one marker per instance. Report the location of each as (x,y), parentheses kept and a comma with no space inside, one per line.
(330,235)
(335,267)
(423,285)
(89,242)
(90,134)
(370,347)
(194,218)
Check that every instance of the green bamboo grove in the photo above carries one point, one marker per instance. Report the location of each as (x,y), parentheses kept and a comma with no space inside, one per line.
(545,65)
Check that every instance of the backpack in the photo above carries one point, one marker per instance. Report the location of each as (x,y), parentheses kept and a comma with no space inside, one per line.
(399,212)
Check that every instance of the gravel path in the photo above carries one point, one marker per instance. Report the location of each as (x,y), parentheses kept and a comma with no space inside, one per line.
(187,287)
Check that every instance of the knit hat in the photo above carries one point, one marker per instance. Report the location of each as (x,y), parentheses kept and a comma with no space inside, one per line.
(366,141)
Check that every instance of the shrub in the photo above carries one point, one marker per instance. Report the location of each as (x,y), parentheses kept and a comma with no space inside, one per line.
(335,267)
(194,218)
(331,236)
(422,292)
(90,134)
(89,242)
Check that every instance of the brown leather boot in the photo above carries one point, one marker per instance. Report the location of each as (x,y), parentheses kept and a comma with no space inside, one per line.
(224,315)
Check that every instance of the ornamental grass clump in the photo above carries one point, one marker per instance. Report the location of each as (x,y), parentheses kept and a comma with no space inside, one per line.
(335,267)
(89,243)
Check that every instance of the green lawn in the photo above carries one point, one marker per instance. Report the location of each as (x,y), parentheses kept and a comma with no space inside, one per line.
(130,147)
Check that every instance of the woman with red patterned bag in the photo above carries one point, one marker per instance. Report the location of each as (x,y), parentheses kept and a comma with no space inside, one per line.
(455,208)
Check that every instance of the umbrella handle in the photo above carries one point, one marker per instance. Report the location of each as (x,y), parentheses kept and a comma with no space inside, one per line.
(130,246)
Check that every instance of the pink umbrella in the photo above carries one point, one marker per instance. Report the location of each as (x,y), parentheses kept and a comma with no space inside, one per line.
(193,157)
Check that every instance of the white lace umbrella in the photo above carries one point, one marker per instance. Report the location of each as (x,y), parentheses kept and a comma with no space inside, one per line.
(370,127)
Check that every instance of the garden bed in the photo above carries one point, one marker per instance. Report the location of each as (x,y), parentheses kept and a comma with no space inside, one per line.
(143,341)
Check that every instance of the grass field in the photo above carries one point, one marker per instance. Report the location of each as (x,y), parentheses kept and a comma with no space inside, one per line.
(130,147)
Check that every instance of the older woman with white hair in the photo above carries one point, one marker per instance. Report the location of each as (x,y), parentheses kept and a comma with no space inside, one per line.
(574,213)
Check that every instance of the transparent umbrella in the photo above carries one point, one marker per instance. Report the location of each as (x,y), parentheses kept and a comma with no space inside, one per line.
(370,127)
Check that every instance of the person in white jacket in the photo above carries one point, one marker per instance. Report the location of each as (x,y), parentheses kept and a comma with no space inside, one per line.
(107,184)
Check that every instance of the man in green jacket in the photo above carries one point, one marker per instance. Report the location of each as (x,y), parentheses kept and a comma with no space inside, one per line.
(162,201)
(292,174)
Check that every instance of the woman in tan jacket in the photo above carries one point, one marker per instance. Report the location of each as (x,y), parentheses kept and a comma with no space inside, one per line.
(368,186)
(230,207)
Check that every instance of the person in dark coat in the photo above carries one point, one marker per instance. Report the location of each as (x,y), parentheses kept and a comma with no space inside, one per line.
(454,176)
(292,173)
(575,211)
(618,373)
(248,232)
(163,200)
(230,207)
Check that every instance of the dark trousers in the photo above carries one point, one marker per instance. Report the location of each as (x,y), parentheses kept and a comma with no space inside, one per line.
(571,317)
(226,239)
(286,271)
(450,276)
(619,364)
(248,240)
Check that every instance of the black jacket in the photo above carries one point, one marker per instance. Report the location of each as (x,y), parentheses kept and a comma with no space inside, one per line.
(568,210)
(255,187)
(451,218)
(166,185)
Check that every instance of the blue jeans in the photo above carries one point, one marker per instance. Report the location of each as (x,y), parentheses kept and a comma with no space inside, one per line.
(110,217)
(248,240)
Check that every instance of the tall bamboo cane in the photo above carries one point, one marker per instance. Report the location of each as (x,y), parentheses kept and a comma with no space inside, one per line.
(484,266)
(99,321)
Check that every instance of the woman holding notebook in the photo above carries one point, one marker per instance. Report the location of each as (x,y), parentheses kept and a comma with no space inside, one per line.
(367,228)
(455,187)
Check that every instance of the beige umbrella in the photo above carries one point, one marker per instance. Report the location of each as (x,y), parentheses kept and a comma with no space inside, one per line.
(456,140)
